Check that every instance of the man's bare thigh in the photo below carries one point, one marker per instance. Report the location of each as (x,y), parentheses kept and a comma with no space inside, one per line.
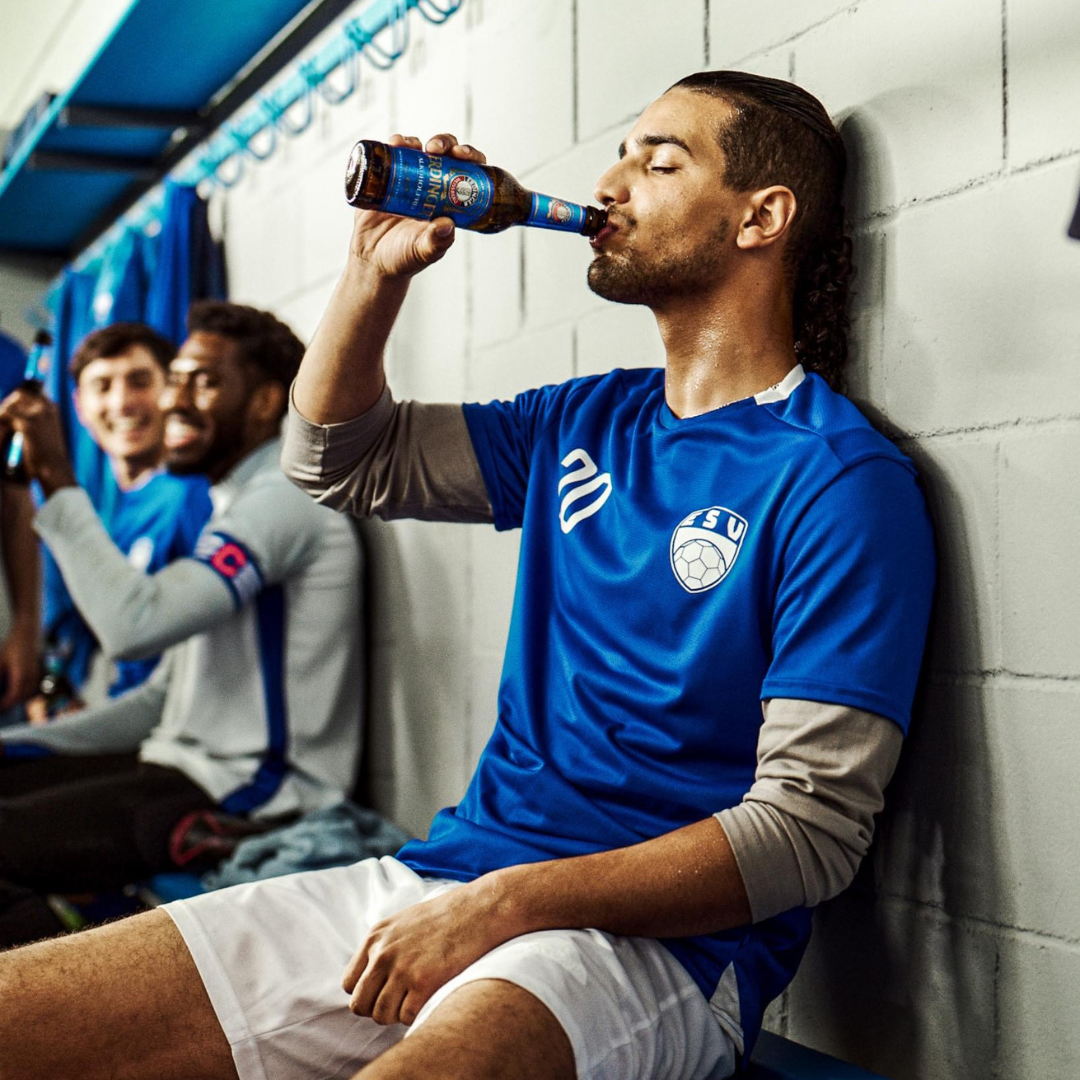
(122,1002)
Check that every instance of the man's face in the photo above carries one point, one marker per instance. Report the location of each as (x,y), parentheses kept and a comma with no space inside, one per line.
(117,401)
(205,405)
(670,216)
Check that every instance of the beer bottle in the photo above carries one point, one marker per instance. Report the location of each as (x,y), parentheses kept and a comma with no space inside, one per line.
(483,198)
(37,364)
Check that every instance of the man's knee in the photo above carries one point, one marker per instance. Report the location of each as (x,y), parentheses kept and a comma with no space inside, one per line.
(484,1030)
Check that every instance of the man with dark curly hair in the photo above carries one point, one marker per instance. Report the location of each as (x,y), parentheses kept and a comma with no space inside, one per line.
(722,597)
(250,711)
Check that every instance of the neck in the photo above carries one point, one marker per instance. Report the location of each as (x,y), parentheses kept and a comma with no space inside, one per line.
(727,344)
(222,468)
(129,471)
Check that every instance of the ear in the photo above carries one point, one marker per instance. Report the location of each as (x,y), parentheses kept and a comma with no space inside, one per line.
(267,402)
(78,406)
(768,217)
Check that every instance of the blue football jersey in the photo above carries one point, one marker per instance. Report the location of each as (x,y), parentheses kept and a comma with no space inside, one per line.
(12,364)
(153,524)
(674,573)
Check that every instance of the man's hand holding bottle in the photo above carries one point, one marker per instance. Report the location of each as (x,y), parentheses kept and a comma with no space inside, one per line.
(398,247)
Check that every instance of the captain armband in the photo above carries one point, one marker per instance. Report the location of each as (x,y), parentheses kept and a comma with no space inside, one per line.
(233,563)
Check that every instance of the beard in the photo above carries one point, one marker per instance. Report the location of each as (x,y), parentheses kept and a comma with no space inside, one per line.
(226,446)
(630,277)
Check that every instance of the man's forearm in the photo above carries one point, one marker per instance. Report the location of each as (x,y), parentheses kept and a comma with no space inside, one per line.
(680,884)
(22,564)
(341,376)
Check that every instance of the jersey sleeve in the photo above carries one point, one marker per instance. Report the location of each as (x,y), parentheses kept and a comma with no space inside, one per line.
(269,533)
(504,434)
(854,596)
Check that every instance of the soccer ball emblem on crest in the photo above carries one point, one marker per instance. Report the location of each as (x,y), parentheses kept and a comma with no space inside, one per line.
(704,547)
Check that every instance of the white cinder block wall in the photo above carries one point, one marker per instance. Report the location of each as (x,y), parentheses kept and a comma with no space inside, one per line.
(957,952)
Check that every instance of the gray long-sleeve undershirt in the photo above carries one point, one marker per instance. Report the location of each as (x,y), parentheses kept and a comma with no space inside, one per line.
(132,613)
(807,821)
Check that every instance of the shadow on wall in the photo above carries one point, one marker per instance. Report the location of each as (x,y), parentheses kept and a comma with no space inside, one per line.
(892,981)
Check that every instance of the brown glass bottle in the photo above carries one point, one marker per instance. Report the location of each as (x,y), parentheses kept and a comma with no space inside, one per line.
(483,198)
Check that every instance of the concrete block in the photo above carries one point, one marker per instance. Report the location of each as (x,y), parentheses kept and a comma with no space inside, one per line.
(775,64)
(431,89)
(1044,93)
(485,674)
(910,77)
(493,561)
(521,74)
(618,335)
(738,31)
(263,243)
(1039,1001)
(981,324)
(898,989)
(417,728)
(497,286)
(866,337)
(304,312)
(979,819)
(556,263)
(527,361)
(1040,574)
(960,480)
(328,218)
(425,361)
(419,582)
(630,52)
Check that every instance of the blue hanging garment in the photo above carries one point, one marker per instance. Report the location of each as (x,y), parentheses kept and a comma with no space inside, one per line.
(63,625)
(190,263)
(123,280)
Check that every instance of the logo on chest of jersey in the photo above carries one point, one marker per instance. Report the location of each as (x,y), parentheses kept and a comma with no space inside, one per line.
(587,489)
(704,547)
(141,553)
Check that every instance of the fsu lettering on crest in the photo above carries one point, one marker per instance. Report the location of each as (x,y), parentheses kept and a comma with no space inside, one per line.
(704,547)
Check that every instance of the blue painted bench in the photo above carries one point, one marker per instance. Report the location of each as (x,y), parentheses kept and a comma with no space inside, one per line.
(776,1058)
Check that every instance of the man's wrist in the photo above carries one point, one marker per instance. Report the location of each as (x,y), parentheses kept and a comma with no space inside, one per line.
(507,901)
(53,478)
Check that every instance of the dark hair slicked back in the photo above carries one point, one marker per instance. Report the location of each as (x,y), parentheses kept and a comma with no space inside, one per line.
(781,134)
(115,340)
(265,341)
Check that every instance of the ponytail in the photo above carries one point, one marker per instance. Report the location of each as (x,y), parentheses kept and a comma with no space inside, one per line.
(821,298)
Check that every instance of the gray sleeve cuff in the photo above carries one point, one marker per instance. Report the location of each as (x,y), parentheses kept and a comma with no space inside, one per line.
(804,826)
(316,457)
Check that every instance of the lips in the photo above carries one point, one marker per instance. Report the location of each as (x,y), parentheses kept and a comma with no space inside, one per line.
(603,235)
(180,433)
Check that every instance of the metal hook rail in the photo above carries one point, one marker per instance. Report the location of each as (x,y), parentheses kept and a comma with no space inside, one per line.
(288,108)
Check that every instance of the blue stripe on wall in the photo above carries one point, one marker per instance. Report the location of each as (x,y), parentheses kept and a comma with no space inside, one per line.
(270,608)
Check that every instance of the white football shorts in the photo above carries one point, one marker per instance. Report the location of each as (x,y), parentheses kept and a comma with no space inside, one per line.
(271,955)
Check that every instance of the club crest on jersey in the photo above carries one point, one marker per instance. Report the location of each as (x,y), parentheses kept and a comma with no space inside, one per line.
(587,489)
(704,547)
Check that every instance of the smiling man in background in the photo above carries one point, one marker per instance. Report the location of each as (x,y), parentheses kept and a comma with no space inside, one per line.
(250,711)
(152,516)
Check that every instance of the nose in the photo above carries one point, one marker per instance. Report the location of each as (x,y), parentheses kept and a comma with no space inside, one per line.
(119,398)
(175,397)
(611,187)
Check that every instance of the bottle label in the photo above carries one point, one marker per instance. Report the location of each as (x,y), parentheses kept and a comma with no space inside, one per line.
(430,186)
(549,213)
